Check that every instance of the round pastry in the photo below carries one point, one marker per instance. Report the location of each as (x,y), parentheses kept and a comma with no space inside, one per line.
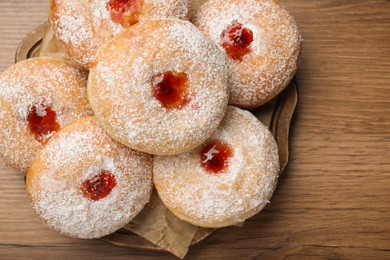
(262,44)
(84,184)
(82,26)
(160,87)
(37,97)
(226,180)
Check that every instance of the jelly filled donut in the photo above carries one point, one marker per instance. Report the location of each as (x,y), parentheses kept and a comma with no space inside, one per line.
(226,180)
(82,26)
(84,184)
(160,87)
(37,97)
(261,42)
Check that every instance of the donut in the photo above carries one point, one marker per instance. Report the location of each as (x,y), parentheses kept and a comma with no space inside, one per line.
(261,42)
(160,87)
(38,96)
(226,180)
(84,184)
(82,26)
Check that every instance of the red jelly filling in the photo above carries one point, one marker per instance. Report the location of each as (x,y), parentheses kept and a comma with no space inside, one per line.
(171,89)
(236,40)
(99,186)
(42,121)
(125,12)
(214,156)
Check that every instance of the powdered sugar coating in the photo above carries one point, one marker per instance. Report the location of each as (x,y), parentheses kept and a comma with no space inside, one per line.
(272,63)
(230,197)
(36,82)
(120,89)
(75,154)
(82,26)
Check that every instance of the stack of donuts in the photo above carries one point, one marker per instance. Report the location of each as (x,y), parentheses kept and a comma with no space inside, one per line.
(149,99)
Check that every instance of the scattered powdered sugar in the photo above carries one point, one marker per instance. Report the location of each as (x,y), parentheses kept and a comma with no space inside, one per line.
(120,89)
(77,153)
(70,23)
(267,70)
(106,165)
(37,82)
(210,154)
(230,197)
(82,26)
(161,9)
(101,17)
(41,110)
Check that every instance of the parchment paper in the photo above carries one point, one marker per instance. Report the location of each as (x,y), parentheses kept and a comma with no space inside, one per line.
(159,226)
(50,46)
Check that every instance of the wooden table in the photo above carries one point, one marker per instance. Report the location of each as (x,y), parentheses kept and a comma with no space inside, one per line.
(332,202)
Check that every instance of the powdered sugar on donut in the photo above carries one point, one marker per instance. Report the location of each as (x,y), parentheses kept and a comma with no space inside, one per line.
(120,93)
(37,82)
(82,26)
(265,71)
(230,197)
(161,9)
(210,154)
(76,154)
(41,110)
(106,165)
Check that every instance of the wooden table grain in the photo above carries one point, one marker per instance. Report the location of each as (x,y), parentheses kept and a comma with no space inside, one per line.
(333,201)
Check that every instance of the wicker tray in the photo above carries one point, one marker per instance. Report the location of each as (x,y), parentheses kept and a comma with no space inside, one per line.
(277,114)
